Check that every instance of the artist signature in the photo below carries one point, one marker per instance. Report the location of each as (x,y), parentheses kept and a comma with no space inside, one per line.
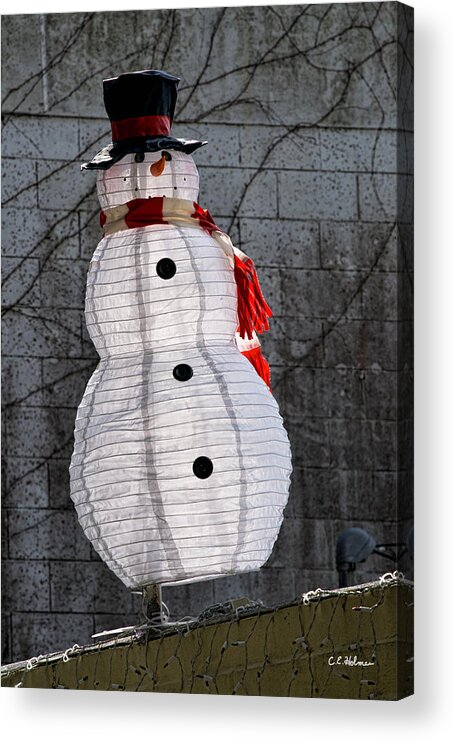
(352,661)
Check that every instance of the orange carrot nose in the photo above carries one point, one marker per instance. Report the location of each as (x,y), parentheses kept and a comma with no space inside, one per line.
(158,166)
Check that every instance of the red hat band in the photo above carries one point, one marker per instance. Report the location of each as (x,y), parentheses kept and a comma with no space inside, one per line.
(141,126)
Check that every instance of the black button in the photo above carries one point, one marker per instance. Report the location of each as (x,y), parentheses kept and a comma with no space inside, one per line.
(182,372)
(202,467)
(139,157)
(166,268)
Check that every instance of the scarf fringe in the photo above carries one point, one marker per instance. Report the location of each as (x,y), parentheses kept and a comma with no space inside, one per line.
(252,309)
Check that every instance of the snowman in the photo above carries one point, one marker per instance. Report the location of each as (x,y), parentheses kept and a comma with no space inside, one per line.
(181,464)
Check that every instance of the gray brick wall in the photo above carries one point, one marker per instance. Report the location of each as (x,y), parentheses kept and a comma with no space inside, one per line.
(308,113)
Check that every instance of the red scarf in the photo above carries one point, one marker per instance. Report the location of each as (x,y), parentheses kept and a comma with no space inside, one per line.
(252,309)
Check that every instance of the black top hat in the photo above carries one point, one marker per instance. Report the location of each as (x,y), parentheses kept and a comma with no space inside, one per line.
(140,106)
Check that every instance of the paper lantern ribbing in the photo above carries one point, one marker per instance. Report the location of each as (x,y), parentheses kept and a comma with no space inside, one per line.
(181,464)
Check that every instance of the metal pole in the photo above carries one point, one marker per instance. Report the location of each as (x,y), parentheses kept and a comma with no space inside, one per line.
(152,602)
(342,578)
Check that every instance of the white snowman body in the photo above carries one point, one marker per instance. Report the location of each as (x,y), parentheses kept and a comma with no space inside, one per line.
(142,424)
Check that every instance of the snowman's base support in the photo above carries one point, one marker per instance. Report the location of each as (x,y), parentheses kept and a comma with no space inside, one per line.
(152,603)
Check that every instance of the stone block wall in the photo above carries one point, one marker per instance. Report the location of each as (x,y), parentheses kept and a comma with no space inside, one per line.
(308,114)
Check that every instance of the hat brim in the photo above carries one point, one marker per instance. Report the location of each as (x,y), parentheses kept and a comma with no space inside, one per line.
(114,151)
